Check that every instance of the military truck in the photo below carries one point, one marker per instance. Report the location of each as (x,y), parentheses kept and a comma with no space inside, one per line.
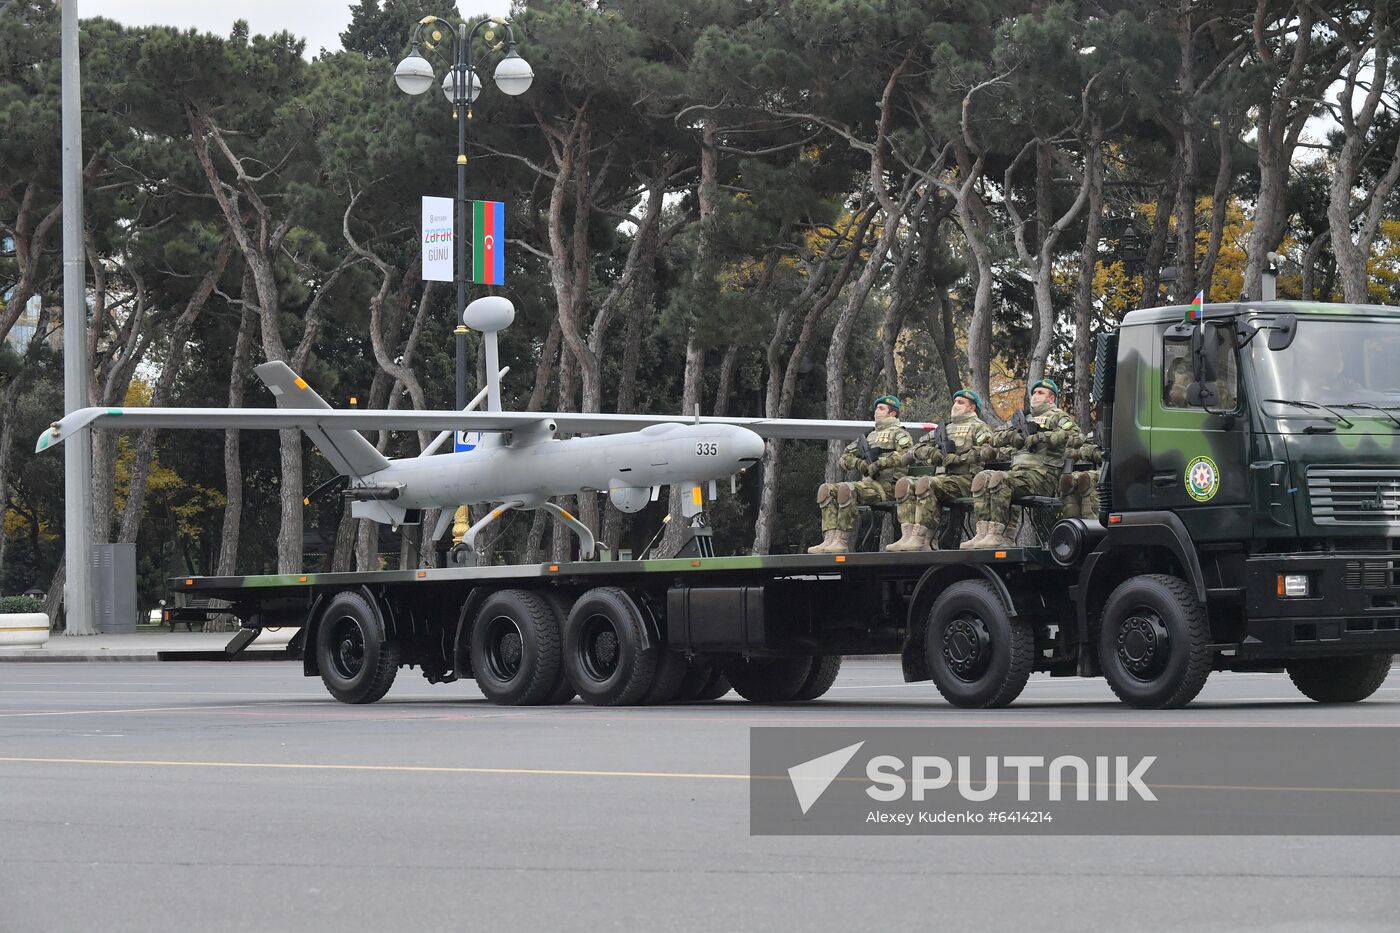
(1249,518)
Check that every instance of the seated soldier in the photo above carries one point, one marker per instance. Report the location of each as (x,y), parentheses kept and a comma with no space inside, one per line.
(921,498)
(1035,469)
(879,460)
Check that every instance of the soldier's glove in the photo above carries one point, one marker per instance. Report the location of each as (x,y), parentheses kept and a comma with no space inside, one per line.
(865,467)
(985,453)
(936,457)
(909,456)
(1034,442)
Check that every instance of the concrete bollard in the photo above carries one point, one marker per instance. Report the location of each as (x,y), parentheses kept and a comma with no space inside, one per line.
(23,629)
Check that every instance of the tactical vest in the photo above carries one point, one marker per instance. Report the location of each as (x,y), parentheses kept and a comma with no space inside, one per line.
(889,435)
(965,432)
(1049,458)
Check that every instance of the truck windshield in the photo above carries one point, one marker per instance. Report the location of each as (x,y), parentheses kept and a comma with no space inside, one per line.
(1331,362)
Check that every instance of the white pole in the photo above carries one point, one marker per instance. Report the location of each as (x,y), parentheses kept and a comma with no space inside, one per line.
(77,457)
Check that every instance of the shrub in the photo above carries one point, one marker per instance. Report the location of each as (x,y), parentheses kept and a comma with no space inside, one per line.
(21,604)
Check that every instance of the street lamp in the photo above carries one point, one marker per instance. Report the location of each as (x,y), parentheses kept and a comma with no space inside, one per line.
(461,86)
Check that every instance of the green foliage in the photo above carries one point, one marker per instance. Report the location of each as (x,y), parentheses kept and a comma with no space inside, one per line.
(21,604)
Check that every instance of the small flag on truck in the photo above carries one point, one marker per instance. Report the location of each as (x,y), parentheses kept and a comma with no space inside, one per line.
(1194,312)
(488,242)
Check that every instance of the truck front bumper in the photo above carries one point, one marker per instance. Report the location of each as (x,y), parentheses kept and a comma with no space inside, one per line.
(1352,605)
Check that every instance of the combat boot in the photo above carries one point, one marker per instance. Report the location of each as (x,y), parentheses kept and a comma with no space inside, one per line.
(996,536)
(928,538)
(908,538)
(840,542)
(825,547)
(978,536)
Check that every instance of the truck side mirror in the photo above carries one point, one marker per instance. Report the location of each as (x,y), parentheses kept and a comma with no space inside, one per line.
(1282,331)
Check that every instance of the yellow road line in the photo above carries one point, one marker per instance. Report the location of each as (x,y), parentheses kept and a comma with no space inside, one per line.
(411,769)
(564,772)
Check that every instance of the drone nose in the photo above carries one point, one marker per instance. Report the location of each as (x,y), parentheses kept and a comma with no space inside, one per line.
(749,446)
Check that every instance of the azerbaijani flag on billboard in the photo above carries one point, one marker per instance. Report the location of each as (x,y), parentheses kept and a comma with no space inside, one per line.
(489,242)
(1194,312)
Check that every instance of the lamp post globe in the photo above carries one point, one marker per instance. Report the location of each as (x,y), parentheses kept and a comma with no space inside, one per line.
(449,85)
(414,75)
(514,75)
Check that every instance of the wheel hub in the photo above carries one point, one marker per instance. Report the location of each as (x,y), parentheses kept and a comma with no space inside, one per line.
(505,648)
(1143,644)
(601,650)
(967,646)
(349,648)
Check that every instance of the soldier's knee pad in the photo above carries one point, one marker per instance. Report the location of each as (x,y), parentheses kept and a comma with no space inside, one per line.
(1083,482)
(994,478)
(1066,484)
(922,485)
(979,482)
(825,492)
(903,489)
(845,492)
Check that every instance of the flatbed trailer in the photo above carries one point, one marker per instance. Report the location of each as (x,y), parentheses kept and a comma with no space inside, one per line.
(653,631)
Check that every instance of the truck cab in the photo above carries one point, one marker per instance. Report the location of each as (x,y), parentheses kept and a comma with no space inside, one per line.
(1254,456)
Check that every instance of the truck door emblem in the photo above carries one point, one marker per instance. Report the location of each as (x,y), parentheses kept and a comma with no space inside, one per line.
(1202,479)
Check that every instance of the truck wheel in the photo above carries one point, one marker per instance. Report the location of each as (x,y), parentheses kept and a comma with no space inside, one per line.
(825,667)
(563,690)
(704,681)
(357,660)
(977,656)
(603,649)
(666,684)
(768,680)
(515,648)
(1154,642)
(1339,680)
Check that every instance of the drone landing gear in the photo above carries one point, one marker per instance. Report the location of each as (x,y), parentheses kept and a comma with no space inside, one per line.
(587,544)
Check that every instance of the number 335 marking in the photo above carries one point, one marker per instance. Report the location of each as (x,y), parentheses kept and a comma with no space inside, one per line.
(707,450)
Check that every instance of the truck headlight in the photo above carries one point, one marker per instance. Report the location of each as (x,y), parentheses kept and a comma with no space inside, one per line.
(1292,585)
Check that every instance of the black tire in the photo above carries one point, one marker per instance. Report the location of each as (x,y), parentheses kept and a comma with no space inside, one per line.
(1154,642)
(666,684)
(564,691)
(704,681)
(768,680)
(357,660)
(1340,680)
(825,669)
(697,675)
(603,648)
(977,656)
(515,648)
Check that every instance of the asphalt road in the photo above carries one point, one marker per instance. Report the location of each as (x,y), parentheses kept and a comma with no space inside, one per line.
(242,797)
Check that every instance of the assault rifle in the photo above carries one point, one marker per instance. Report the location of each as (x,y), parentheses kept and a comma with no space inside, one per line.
(868,454)
(1025,426)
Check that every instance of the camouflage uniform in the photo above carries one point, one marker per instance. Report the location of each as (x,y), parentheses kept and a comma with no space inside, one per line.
(1035,471)
(921,498)
(1079,495)
(838,501)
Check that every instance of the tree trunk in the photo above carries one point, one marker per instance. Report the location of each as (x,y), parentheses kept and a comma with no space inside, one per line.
(233,462)
(1084,297)
(1220,203)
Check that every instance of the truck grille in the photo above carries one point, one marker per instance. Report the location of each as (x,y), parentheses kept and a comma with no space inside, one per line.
(1361,495)
(1370,574)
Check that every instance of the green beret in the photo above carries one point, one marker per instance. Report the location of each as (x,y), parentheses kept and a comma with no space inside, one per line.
(1049,384)
(889,400)
(971,396)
